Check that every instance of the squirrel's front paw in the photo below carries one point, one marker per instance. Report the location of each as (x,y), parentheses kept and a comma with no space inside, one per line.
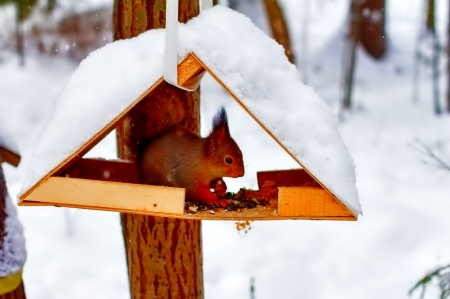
(219,186)
(212,199)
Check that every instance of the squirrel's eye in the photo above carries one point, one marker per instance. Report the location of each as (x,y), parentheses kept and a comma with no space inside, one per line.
(229,160)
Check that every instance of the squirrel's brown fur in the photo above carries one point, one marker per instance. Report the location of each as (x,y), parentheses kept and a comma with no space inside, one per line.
(179,158)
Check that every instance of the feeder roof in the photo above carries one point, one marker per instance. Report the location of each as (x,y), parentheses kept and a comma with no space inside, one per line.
(251,65)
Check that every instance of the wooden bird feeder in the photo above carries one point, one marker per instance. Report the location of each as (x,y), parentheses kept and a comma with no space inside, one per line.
(114,185)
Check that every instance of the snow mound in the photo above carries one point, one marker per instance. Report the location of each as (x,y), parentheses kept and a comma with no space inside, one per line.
(12,251)
(251,64)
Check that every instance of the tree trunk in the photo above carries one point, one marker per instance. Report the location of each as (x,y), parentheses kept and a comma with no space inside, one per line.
(448,60)
(164,255)
(279,27)
(372,32)
(19,42)
(19,292)
(304,44)
(431,28)
(353,38)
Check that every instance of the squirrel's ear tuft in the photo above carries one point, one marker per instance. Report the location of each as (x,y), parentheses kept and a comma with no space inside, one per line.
(220,124)
(219,133)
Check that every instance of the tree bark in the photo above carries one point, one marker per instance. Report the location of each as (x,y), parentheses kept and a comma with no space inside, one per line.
(164,255)
(279,27)
(19,292)
(372,32)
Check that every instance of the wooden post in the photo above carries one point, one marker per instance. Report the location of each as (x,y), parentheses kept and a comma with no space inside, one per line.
(164,255)
(19,292)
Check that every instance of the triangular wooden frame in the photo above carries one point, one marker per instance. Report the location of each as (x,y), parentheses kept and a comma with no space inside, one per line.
(52,189)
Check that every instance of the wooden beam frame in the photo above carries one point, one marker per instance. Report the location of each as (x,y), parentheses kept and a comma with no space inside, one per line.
(9,157)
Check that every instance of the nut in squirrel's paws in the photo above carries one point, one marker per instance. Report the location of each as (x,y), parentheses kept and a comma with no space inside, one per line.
(219,186)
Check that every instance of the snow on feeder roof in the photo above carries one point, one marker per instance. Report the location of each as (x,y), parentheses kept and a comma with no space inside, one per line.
(9,151)
(251,66)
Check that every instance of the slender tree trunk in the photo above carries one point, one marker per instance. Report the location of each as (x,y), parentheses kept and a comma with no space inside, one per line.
(448,60)
(372,27)
(304,46)
(431,28)
(164,255)
(19,42)
(279,27)
(353,38)
(436,74)
(19,292)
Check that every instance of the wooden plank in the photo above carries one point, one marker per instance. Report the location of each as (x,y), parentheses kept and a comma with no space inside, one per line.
(310,202)
(286,178)
(256,214)
(9,157)
(190,75)
(109,195)
(188,62)
(103,170)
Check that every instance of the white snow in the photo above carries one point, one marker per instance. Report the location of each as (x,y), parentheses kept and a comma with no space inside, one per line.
(401,237)
(111,78)
(6,140)
(12,251)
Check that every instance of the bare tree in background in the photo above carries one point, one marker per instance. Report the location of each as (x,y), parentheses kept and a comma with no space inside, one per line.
(431,28)
(448,60)
(23,10)
(367,28)
(428,34)
(279,26)
(276,20)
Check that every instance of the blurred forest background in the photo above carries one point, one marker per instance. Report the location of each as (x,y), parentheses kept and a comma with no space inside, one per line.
(44,30)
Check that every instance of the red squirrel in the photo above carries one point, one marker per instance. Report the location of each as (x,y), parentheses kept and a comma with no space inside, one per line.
(180,158)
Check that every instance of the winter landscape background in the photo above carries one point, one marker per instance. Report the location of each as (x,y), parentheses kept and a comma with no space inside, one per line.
(405,198)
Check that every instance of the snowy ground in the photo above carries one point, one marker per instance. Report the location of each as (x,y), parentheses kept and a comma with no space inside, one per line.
(402,235)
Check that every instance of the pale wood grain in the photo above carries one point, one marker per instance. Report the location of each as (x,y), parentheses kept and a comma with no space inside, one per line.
(109,195)
(309,202)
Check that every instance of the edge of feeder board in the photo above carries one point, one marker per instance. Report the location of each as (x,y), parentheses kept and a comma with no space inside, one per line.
(9,157)
(258,213)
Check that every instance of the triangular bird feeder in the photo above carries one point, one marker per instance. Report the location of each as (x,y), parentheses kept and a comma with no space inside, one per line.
(113,185)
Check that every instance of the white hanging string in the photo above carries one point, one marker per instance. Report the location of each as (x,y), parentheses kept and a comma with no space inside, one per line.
(171,43)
